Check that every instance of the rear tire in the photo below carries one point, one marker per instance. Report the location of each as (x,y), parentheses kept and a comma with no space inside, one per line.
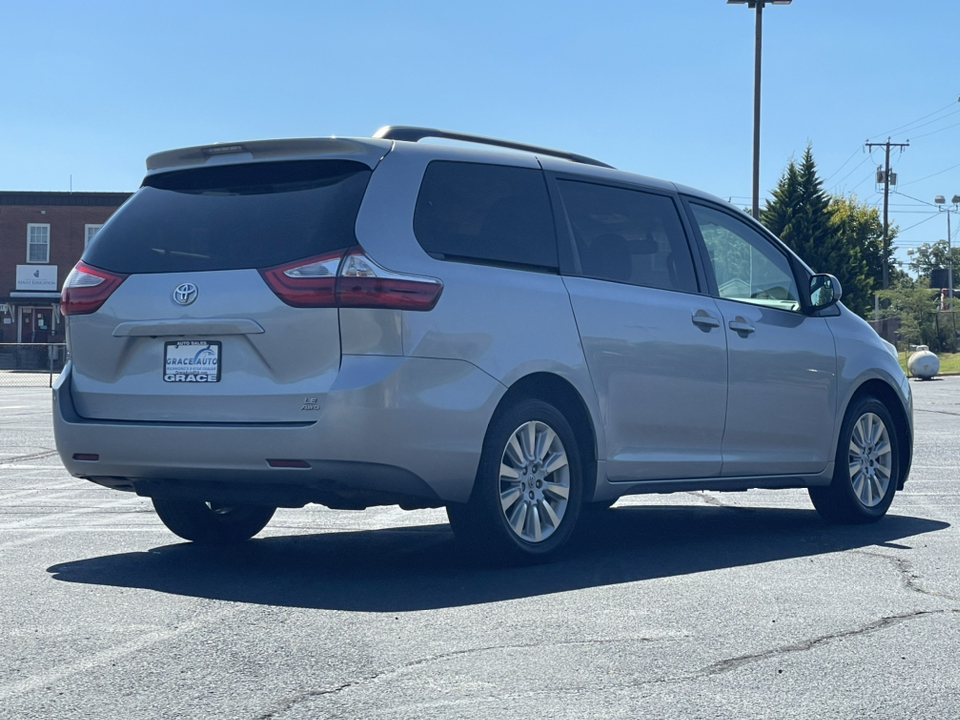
(528,490)
(867,467)
(212,523)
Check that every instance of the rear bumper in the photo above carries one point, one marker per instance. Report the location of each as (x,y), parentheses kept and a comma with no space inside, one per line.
(391,430)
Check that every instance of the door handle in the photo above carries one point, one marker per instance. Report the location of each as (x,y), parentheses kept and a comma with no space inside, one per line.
(704,320)
(741,326)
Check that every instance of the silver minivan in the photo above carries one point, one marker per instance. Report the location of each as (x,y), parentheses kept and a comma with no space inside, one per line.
(517,334)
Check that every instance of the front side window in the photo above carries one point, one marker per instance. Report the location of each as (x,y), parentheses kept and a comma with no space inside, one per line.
(628,236)
(747,266)
(487,214)
(38,243)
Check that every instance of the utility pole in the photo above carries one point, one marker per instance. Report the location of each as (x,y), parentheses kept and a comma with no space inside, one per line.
(886,203)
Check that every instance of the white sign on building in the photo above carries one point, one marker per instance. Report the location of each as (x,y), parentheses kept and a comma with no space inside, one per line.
(37,277)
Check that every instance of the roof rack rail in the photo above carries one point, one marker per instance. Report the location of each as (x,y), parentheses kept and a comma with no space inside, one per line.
(414,134)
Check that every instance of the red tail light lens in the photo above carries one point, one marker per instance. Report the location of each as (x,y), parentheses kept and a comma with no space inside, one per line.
(351,279)
(361,283)
(306,283)
(87,288)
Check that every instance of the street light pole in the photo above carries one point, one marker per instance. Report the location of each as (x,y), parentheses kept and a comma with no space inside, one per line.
(941,202)
(758,5)
(756,112)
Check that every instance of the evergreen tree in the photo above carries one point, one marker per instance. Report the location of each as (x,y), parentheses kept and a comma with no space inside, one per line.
(778,215)
(801,215)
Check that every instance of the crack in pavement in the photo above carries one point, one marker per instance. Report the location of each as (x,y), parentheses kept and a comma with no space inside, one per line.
(731,664)
(31,456)
(311,694)
(718,668)
(908,575)
(937,412)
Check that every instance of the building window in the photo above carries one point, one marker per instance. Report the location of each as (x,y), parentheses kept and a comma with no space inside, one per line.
(38,243)
(88,232)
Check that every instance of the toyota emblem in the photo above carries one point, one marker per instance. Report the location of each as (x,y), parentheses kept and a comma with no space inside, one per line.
(185,293)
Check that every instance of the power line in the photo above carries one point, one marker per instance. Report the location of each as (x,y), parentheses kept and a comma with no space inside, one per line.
(863,181)
(859,149)
(912,122)
(923,202)
(920,223)
(931,122)
(941,172)
(934,132)
(837,184)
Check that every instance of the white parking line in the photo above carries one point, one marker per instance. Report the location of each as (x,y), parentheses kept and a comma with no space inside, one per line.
(25,466)
(47,533)
(102,658)
(72,487)
(40,519)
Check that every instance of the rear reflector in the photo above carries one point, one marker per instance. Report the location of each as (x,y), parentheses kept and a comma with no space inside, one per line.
(86,457)
(351,279)
(288,464)
(87,288)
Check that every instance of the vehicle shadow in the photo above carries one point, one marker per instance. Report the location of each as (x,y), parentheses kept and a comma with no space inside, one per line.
(420,568)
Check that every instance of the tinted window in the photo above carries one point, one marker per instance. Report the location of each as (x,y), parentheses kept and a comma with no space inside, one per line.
(747,266)
(233,216)
(485,213)
(629,236)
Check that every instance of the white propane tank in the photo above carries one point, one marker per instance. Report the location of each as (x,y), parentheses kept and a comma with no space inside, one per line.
(923,364)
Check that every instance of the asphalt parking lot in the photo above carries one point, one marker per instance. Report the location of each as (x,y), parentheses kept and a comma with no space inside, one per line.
(695,605)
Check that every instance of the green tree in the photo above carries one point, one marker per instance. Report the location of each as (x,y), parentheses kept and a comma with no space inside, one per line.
(931,256)
(860,225)
(916,305)
(802,216)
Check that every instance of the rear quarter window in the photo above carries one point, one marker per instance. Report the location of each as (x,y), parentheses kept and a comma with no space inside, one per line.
(487,214)
(232,217)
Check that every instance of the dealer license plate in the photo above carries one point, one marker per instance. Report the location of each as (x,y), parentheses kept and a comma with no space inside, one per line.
(191,361)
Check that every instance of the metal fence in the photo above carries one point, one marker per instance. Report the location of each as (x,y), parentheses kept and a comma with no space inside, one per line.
(31,364)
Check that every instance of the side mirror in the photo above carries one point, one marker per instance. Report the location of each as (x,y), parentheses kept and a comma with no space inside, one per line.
(825,291)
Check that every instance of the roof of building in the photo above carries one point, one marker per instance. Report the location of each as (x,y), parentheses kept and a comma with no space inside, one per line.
(63,199)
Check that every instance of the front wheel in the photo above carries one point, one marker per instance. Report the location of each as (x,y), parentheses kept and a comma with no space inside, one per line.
(867,469)
(528,490)
(212,523)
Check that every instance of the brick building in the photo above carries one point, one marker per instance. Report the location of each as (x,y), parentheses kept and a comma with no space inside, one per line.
(42,235)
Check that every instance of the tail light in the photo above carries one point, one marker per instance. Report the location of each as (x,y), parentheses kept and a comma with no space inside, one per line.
(350,279)
(306,283)
(87,288)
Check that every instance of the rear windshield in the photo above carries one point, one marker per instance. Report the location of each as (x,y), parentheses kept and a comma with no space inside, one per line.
(233,217)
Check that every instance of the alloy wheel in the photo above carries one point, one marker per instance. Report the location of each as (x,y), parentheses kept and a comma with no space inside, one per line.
(534,481)
(870,459)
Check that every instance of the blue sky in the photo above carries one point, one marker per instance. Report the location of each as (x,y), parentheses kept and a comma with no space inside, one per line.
(658,87)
